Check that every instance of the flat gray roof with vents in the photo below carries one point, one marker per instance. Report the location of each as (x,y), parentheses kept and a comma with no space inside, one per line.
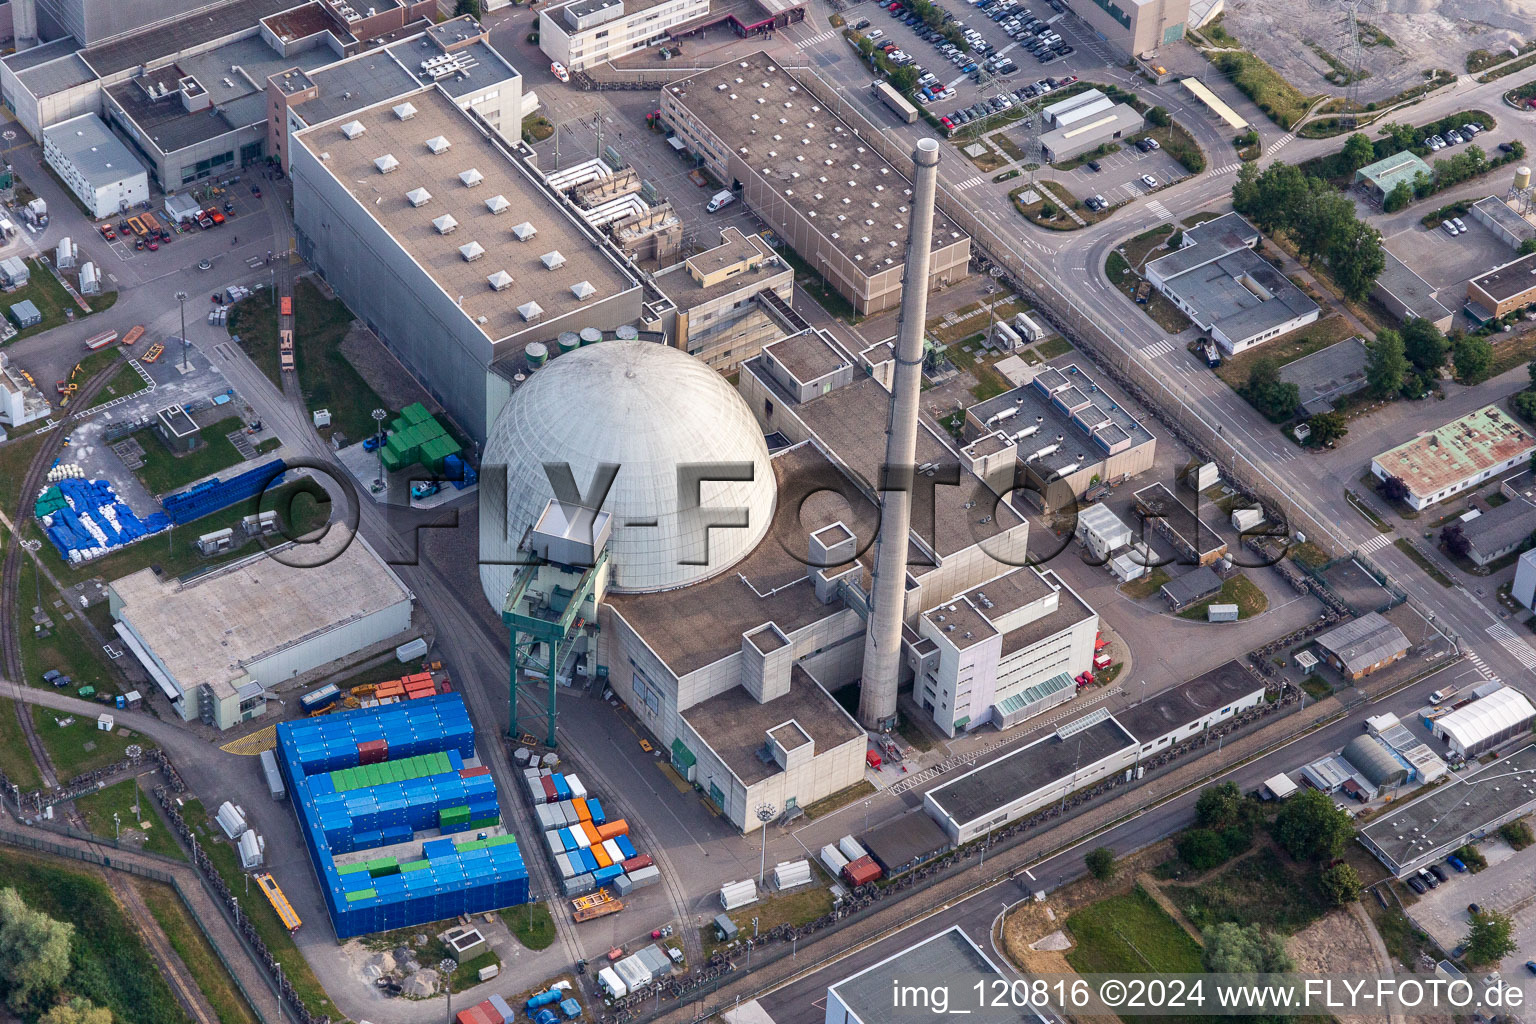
(91,148)
(808,140)
(382,197)
(1409,836)
(56,76)
(1035,408)
(1179,705)
(355,84)
(188,33)
(949,958)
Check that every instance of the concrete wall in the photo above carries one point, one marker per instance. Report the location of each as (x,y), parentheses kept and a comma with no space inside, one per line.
(331,645)
(1151,24)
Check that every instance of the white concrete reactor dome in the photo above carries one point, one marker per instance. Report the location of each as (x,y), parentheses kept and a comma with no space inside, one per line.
(650,410)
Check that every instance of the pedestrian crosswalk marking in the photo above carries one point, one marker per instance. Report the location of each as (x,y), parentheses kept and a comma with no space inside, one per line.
(1157,208)
(1375,544)
(970,182)
(1156,349)
(1514,644)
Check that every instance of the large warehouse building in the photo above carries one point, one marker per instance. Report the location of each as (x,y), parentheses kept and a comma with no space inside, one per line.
(809,175)
(275,621)
(470,256)
(1487,722)
(379,794)
(1465,453)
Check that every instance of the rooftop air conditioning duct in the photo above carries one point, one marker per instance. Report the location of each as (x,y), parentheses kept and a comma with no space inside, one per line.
(386,163)
(418,197)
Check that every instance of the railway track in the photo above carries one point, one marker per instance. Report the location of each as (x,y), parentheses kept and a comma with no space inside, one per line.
(10,578)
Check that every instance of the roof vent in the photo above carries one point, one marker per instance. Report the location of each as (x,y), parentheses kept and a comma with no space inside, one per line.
(500,281)
(405,111)
(438,144)
(471,252)
(419,197)
(445,224)
(552,260)
(497,204)
(352,129)
(583,289)
(525,231)
(386,163)
(471,178)
(530,310)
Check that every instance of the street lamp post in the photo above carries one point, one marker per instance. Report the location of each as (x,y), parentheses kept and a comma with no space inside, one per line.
(181,300)
(378,419)
(765,813)
(117,828)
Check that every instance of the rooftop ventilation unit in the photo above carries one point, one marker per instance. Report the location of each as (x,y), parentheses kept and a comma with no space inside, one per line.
(583,289)
(438,144)
(524,231)
(552,260)
(500,281)
(530,310)
(352,129)
(497,204)
(405,111)
(419,197)
(445,224)
(471,252)
(471,178)
(386,163)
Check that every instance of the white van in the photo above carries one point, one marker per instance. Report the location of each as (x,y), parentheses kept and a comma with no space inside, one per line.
(1450,228)
(720,201)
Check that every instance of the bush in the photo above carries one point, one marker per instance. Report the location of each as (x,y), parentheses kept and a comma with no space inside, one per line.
(1517,834)
(1101,863)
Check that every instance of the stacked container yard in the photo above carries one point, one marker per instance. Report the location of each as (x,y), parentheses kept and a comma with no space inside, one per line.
(378,777)
(587,850)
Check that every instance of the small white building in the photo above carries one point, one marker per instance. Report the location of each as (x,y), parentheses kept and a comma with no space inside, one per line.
(1485,723)
(96,166)
(1101,532)
(581,33)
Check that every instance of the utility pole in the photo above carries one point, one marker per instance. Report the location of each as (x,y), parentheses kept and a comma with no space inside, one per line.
(765,813)
(181,300)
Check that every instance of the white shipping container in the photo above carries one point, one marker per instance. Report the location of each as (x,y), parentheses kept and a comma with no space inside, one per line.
(738,894)
(791,873)
(408,651)
(634,972)
(612,983)
(578,790)
(611,848)
(851,848)
(581,838)
(834,860)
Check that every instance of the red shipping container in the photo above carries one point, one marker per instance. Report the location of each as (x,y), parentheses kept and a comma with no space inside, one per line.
(491,1013)
(862,871)
(471,1016)
(372,752)
(636,863)
(466,773)
(549,789)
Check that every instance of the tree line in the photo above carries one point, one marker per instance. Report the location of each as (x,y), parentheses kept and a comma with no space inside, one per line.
(1318,219)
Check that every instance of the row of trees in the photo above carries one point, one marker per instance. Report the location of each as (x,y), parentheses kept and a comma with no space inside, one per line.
(1319,220)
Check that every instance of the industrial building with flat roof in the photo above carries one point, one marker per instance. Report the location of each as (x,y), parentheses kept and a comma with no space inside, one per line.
(1504,289)
(1185,710)
(1058,436)
(949,961)
(1364,645)
(1196,540)
(1227,288)
(811,176)
(723,313)
(1085,122)
(1470,806)
(275,621)
(584,33)
(1498,531)
(101,171)
(1328,374)
(1137,27)
(1509,226)
(449,247)
(1407,294)
(1462,454)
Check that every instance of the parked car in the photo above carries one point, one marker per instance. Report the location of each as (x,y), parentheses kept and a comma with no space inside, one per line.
(1461,225)
(1440,140)
(1450,228)
(1455,862)
(1149,181)
(1470,130)
(861,25)
(1093,165)
(1454,137)
(1416,885)
(1530,965)
(1438,872)
(1505,147)
(1065,51)
(1474,909)
(1428,879)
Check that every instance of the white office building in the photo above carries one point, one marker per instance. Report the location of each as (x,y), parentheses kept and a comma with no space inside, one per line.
(96,166)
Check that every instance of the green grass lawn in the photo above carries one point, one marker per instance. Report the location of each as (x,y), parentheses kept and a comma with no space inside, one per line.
(1130,934)
(799,907)
(98,807)
(531,925)
(125,382)
(1285,349)
(66,649)
(15,756)
(265,920)
(15,457)
(67,744)
(47,295)
(1163,312)
(842,798)
(164,471)
(175,919)
(1146,585)
(1052,347)
(176,550)
(1137,248)
(1281,100)
(109,964)
(1238,590)
(1265,888)
(254,320)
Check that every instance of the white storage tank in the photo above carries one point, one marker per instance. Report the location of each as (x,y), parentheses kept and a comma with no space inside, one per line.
(851,848)
(738,894)
(789,874)
(252,849)
(231,819)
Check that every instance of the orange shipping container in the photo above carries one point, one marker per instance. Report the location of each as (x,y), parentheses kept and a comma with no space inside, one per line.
(601,856)
(287,306)
(582,812)
(613,829)
(593,835)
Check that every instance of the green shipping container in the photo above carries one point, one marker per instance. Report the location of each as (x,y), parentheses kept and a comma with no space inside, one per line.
(415,413)
(350,869)
(487,823)
(353,897)
(415,865)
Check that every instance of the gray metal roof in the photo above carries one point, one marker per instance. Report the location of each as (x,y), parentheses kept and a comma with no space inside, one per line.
(950,959)
(1407,287)
(1192,586)
(1500,528)
(1191,700)
(24,59)
(91,148)
(1328,373)
(55,76)
(1372,759)
(1361,643)
(158,42)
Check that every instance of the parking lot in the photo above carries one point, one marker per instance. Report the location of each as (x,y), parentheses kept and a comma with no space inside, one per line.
(1119,177)
(1505,886)
(231,202)
(1446,263)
